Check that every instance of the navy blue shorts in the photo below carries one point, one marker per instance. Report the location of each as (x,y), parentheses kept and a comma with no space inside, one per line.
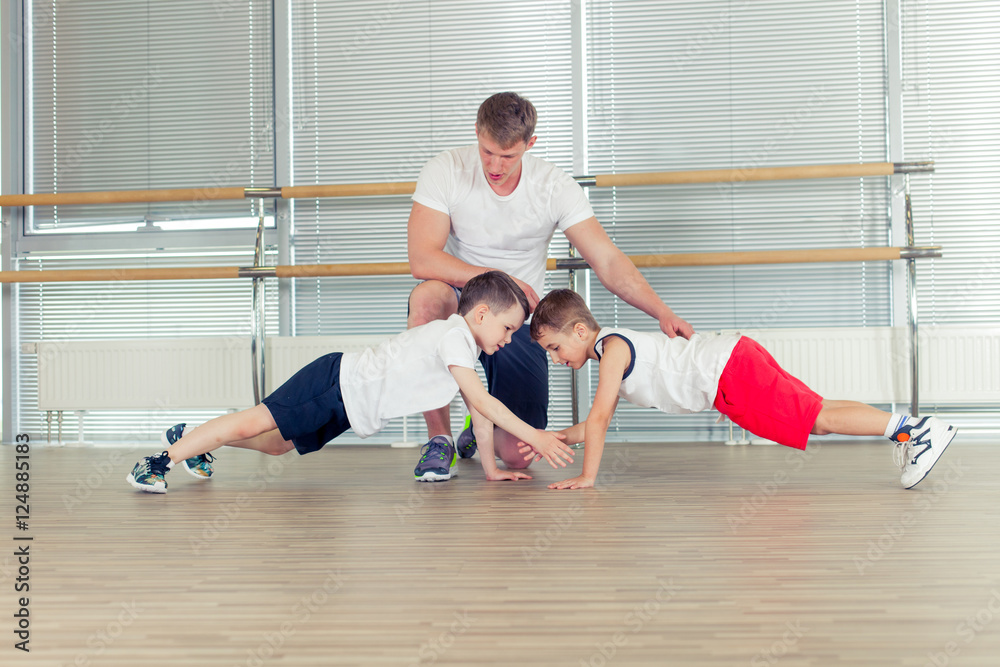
(518,376)
(309,408)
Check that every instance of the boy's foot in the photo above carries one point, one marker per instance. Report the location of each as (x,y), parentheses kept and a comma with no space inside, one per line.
(147,475)
(919,446)
(198,466)
(438,461)
(466,443)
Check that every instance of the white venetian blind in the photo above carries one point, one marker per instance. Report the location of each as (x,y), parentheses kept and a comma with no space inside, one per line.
(378,89)
(701,85)
(147,95)
(129,96)
(951,97)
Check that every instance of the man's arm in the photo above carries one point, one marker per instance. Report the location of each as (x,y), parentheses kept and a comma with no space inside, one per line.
(617,272)
(426,235)
(616,358)
(544,442)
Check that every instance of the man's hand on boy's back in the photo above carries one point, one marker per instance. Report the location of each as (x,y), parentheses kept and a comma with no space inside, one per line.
(672,325)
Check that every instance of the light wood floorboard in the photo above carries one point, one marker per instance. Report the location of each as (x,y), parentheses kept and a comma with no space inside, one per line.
(687,554)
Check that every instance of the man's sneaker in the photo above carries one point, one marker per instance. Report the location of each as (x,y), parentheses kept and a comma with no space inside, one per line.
(919,445)
(198,466)
(438,461)
(147,475)
(466,443)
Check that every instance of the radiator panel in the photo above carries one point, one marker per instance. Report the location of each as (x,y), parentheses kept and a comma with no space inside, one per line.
(958,366)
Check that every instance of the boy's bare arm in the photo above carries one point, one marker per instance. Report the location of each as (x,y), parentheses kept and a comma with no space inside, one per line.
(483,428)
(574,433)
(545,443)
(616,359)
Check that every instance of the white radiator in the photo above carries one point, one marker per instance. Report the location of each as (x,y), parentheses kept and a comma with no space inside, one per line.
(958,366)
(171,373)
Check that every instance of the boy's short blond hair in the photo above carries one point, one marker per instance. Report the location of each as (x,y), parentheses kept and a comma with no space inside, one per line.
(561,310)
(508,118)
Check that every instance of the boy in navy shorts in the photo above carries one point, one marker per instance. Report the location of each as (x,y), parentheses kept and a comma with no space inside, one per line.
(732,372)
(417,370)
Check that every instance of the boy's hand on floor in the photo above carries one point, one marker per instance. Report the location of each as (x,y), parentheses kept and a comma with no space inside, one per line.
(501,475)
(578,482)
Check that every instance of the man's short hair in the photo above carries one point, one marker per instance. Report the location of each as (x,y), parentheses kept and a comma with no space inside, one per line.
(508,118)
(494,288)
(560,310)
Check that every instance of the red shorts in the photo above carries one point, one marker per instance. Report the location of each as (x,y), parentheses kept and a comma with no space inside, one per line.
(762,397)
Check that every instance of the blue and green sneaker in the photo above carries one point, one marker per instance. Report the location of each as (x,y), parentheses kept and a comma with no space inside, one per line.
(198,466)
(148,474)
(438,461)
(466,443)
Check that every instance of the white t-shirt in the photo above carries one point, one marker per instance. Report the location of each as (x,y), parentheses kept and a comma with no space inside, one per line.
(672,374)
(406,374)
(509,233)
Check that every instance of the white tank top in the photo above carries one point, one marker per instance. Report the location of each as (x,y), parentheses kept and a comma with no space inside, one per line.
(672,374)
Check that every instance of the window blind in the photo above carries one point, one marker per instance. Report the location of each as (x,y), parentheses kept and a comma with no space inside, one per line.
(951,89)
(140,95)
(148,95)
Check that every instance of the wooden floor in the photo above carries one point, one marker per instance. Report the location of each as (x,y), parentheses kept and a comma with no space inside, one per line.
(691,554)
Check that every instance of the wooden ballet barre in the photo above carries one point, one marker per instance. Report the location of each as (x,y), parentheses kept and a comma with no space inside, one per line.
(407,187)
(403,268)
(760,174)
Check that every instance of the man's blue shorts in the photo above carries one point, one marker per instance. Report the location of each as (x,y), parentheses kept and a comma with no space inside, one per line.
(518,376)
(309,408)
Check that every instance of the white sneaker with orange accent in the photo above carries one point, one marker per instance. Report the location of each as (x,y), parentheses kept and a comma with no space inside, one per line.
(919,445)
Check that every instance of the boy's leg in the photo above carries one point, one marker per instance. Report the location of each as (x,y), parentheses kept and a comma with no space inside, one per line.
(919,442)
(235,427)
(272,443)
(200,466)
(850,418)
(243,427)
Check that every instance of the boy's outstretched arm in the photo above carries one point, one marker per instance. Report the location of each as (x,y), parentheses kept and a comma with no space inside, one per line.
(483,428)
(545,443)
(616,359)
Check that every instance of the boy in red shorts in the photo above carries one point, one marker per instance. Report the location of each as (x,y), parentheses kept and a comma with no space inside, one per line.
(732,372)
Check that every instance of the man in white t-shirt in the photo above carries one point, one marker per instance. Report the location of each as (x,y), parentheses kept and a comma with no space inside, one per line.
(493,206)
